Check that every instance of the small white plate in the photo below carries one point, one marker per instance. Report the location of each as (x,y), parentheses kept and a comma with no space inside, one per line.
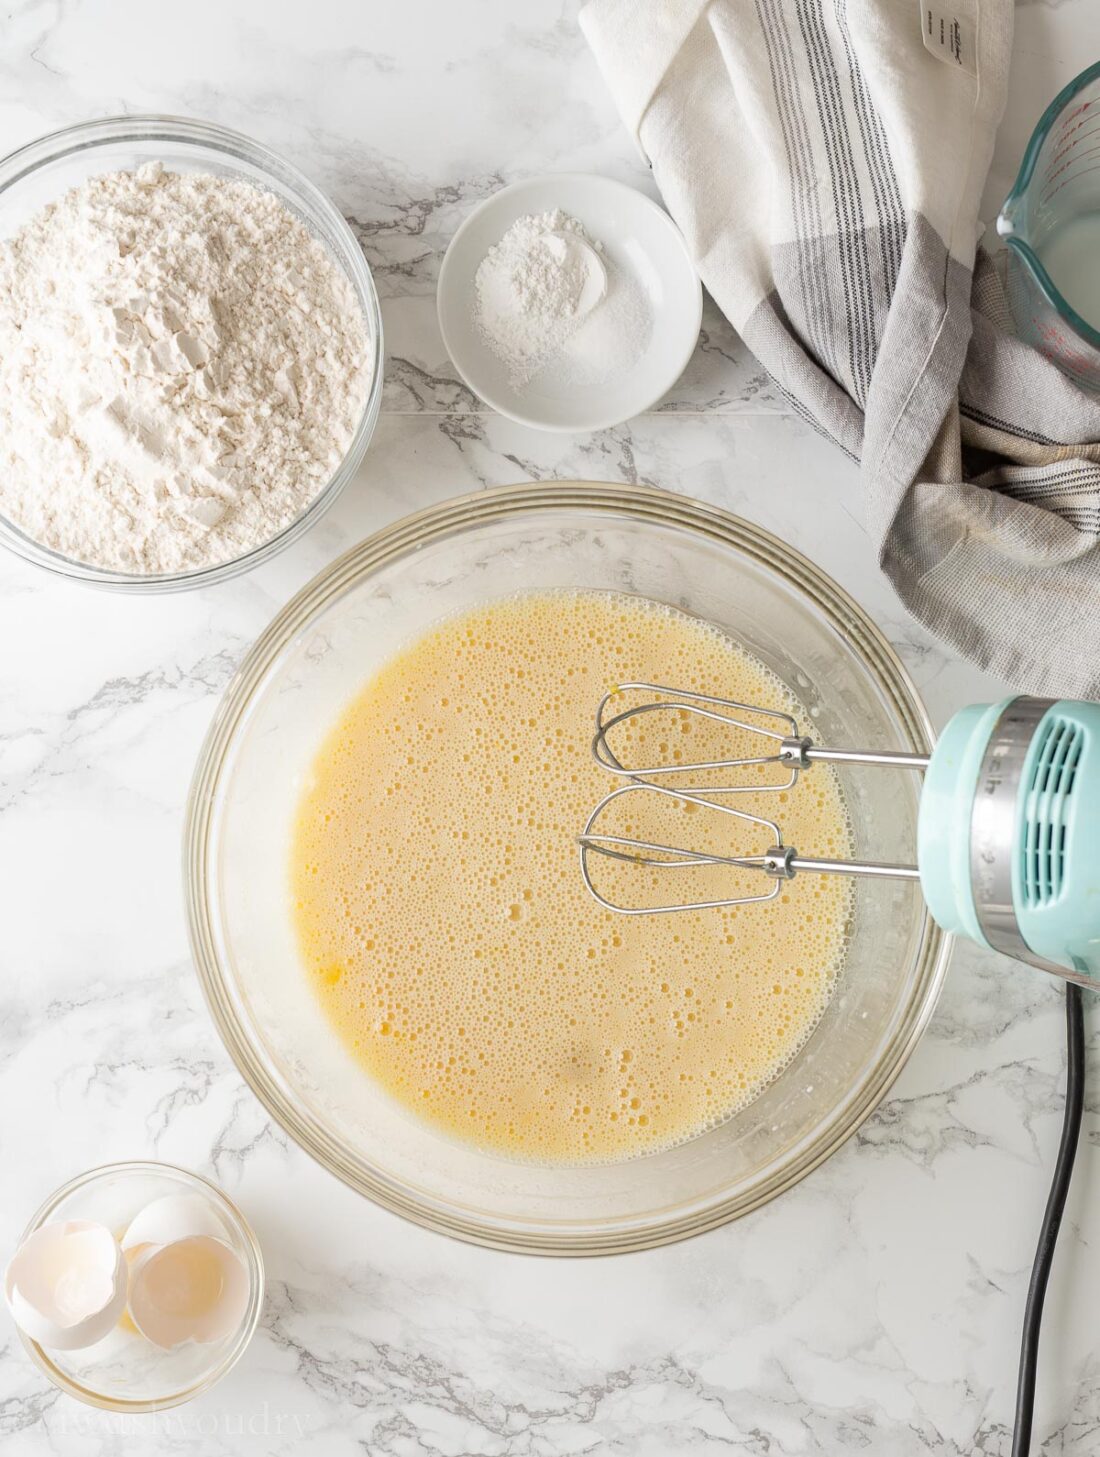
(640,241)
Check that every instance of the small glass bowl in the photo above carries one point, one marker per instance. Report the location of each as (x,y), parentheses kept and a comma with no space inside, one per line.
(124,1372)
(43,171)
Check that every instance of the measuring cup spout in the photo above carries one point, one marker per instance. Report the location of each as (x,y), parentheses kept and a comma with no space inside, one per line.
(1007,221)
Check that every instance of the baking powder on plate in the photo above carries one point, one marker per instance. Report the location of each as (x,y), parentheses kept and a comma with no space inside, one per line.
(551,304)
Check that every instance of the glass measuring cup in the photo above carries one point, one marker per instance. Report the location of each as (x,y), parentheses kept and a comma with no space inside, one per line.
(1051,226)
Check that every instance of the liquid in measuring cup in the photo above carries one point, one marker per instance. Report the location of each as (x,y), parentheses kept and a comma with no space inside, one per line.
(1071,256)
(1051,226)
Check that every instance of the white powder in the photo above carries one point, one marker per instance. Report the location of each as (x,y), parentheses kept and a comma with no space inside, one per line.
(182,368)
(549,298)
(612,338)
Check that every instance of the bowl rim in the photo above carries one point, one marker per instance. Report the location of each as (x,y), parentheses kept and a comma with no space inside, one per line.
(525,1235)
(325,218)
(256,1286)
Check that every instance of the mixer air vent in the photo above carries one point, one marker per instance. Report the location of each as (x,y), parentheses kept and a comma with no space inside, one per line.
(1047,808)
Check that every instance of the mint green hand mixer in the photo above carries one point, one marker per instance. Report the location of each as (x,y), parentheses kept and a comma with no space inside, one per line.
(1008,834)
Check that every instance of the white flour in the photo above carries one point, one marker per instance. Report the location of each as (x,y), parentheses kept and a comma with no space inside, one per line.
(548,297)
(182,367)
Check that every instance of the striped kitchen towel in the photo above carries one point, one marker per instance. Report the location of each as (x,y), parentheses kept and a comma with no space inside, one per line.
(825,160)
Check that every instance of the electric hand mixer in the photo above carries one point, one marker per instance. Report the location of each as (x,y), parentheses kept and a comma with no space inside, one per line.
(1008,836)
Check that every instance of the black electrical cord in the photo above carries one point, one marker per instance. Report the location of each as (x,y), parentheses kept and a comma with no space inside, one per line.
(1052,1219)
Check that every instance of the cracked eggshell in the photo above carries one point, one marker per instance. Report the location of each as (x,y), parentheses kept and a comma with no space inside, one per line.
(66,1285)
(194,1289)
(173,1217)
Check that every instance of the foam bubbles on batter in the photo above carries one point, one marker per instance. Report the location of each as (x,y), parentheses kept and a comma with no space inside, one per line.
(445,926)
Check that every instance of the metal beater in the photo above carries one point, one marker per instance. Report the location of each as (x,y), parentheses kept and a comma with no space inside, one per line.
(1008,833)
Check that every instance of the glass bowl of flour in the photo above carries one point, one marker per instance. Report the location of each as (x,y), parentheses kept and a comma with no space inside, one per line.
(190,353)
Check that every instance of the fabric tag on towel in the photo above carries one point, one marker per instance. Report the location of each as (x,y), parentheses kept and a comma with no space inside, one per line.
(948,33)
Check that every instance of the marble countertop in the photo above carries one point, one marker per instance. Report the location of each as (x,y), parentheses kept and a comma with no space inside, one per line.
(875,1307)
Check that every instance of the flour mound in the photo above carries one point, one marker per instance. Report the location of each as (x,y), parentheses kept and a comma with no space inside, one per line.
(182,368)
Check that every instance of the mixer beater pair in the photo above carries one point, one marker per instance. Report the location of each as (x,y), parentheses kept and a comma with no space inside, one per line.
(1008,831)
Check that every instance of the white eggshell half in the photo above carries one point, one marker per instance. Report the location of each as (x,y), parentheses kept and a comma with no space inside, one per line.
(66,1286)
(194,1289)
(173,1217)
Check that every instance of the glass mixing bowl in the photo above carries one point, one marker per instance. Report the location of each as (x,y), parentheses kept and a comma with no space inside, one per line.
(316,655)
(44,171)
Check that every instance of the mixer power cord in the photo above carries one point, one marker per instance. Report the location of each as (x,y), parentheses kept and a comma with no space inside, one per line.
(1052,1220)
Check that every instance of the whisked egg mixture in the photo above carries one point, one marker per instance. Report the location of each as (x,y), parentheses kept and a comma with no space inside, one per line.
(445,926)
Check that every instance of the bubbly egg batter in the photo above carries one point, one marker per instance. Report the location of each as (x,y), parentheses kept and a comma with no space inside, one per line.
(447,931)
